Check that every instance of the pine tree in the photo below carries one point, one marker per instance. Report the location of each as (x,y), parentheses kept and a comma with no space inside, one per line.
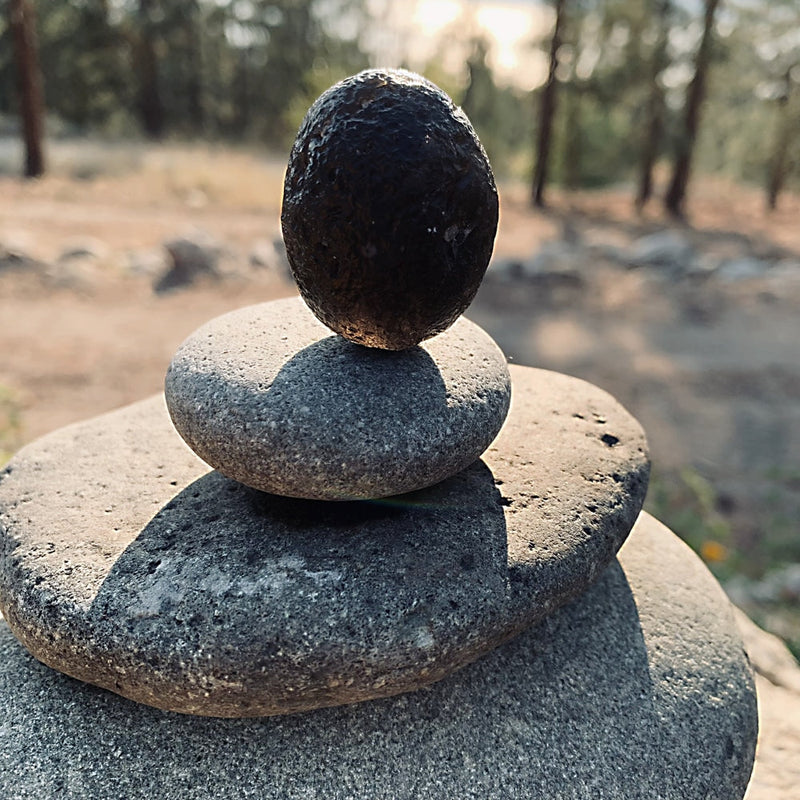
(547,109)
(695,94)
(29,81)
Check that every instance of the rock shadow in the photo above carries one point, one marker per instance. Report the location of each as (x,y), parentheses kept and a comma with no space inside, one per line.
(247,575)
(335,420)
(359,391)
(567,709)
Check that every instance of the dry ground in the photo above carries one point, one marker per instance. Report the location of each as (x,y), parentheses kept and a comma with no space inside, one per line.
(712,371)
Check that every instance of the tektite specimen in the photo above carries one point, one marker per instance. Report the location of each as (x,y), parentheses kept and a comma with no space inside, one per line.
(389,209)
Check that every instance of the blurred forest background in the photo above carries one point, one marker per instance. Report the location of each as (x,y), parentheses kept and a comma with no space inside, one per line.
(648,156)
(619,84)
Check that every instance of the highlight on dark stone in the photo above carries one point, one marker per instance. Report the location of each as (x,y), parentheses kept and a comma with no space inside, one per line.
(390,209)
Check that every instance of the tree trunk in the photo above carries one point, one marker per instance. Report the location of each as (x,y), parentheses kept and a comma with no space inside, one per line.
(572,138)
(242,94)
(151,108)
(29,78)
(779,163)
(547,110)
(194,89)
(695,93)
(654,126)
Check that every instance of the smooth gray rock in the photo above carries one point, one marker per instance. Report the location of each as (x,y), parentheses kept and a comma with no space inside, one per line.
(667,248)
(129,565)
(637,690)
(191,258)
(742,269)
(271,398)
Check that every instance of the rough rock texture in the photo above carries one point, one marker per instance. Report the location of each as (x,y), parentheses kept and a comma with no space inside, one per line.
(389,209)
(637,690)
(769,656)
(776,775)
(268,396)
(127,564)
(777,770)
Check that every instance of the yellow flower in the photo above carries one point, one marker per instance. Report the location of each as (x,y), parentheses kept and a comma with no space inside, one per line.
(713,551)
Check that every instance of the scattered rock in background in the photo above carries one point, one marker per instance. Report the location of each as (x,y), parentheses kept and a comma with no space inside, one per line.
(192,258)
(270,254)
(784,277)
(769,656)
(666,249)
(16,260)
(703,265)
(555,261)
(263,255)
(739,269)
(81,264)
(16,253)
(506,269)
(561,257)
(93,249)
(778,586)
(776,775)
(150,262)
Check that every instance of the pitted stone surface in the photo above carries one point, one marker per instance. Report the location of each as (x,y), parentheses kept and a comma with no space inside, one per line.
(128,564)
(389,209)
(269,397)
(637,690)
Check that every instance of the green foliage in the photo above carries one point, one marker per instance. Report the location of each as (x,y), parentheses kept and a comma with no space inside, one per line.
(690,505)
(323,73)
(780,543)
(687,503)
(755,83)
(205,68)
(247,70)
(501,116)
(83,59)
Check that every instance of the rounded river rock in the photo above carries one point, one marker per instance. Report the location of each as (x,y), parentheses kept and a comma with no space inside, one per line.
(269,397)
(389,209)
(126,563)
(639,689)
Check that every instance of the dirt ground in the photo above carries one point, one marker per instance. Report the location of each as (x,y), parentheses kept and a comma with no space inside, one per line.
(711,367)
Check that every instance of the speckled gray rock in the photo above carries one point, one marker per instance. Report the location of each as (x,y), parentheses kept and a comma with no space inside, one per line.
(269,397)
(127,564)
(637,690)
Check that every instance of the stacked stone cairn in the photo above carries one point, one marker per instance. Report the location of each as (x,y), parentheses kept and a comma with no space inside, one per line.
(387,540)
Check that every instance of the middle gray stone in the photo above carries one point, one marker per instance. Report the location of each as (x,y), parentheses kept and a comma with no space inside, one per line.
(269,397)
(126,563)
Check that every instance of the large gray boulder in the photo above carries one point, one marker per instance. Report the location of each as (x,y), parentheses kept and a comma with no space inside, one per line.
(126,563)
(637,690)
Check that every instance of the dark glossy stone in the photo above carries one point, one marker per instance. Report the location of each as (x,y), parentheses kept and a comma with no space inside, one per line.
(389,209)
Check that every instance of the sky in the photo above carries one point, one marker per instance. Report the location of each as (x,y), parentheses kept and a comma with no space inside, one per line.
(419,27)
(511,27)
